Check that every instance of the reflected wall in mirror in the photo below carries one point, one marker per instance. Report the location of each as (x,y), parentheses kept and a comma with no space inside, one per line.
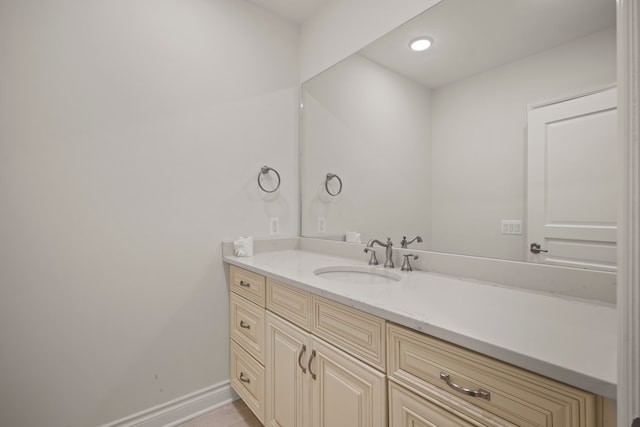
(434,143)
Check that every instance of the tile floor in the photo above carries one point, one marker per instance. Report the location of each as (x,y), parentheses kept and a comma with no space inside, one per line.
(236,414)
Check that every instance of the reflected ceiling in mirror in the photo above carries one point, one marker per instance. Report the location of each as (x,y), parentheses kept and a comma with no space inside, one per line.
(435,143)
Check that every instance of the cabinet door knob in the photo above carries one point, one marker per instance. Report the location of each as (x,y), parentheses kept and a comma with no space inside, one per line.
(243,379)
(313,356)
(484,394)
(302,351)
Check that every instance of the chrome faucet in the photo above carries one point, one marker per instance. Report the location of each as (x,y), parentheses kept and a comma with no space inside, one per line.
(388,252)
(404,243)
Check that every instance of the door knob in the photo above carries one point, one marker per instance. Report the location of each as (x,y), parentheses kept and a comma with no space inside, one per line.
(536,249)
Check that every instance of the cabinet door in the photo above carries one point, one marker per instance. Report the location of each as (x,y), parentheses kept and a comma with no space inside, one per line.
(344,391)
(287,400)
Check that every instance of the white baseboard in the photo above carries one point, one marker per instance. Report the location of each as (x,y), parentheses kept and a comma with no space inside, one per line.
(180,410)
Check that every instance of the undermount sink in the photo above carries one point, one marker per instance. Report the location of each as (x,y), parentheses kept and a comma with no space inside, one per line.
(358,274)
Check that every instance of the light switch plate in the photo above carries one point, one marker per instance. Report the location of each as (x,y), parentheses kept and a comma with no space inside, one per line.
(511,226)
(322,224)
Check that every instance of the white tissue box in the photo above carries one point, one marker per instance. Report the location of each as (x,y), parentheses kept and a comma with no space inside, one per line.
(353,237)
(243,246)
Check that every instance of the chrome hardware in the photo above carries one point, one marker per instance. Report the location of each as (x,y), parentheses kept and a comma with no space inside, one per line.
(244,380)
(404,243)
(244,325)
(302,351)
(406,265)
(263,171)
(330,176)
(373,260)
(536,249)
(483,394)
(388,262)
(245,284)
(313,356)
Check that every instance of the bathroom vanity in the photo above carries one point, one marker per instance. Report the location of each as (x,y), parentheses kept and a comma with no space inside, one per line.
(418,349)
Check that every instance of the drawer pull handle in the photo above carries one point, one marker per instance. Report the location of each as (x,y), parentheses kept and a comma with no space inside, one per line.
(313,356)
(244,325)
(302,351)
(245,284)
(484,394)
(243,379)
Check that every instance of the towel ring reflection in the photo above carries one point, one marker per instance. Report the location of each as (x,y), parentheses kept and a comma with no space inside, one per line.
(263,171)
(330,176)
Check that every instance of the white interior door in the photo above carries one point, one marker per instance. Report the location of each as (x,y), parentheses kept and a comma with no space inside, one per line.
(572,182)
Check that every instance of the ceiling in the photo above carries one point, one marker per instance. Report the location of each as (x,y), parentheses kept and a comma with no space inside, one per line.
(292,10)
(471,36)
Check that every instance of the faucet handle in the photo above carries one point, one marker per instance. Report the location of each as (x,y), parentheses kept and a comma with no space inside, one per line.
(406,265)
(373,260)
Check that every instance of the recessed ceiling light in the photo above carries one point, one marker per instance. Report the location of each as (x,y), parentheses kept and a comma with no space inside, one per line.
(420,44)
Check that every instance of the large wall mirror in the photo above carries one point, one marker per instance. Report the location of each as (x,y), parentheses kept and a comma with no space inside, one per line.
(499,136)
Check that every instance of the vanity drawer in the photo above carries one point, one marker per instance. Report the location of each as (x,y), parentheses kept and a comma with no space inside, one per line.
(247,379)
(290,303)
(249,285)
(409,409)
(355,332)
(417,361)
(247,326)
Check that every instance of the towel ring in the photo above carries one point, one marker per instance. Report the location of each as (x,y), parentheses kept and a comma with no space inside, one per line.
(263,171)
(330,176)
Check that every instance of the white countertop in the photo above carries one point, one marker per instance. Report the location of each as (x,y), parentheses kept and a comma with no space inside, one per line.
(572,341)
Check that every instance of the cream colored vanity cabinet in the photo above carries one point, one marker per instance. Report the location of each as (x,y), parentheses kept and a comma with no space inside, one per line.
(299,360)
(311,382)
(452,381)
(247,330)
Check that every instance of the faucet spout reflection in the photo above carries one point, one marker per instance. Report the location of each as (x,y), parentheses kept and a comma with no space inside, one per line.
(404,243)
